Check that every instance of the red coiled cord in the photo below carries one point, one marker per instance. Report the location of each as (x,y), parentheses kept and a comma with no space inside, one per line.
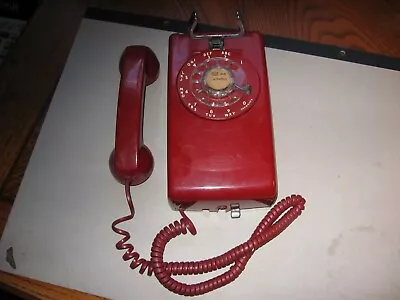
(289,208)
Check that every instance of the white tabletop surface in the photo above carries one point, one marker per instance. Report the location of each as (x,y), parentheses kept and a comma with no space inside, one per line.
(337,141)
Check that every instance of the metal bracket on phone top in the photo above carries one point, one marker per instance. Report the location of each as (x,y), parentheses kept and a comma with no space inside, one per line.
(193,25)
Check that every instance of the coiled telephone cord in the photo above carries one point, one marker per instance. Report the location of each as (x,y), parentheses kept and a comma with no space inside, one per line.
(287,210)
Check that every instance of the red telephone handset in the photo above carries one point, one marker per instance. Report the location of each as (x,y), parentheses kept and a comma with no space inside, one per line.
(132,161)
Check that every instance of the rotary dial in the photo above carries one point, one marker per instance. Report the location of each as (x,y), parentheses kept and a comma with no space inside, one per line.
(218,85)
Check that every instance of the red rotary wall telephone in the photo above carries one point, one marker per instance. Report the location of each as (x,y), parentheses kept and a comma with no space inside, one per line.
(220,150)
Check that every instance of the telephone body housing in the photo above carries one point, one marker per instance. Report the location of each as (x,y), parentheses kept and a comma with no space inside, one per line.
(212,164)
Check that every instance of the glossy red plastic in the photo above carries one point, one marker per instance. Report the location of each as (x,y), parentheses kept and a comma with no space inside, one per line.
(232,159)
(132,162)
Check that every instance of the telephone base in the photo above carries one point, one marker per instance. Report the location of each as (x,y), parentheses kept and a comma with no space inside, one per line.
(234,207)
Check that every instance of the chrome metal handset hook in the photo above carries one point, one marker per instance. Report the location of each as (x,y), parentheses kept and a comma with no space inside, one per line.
(194,21)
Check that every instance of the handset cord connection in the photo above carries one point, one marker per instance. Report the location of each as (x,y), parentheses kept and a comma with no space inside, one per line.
(275,221)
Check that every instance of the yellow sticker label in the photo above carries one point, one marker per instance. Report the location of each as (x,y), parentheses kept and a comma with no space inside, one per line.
(218,79)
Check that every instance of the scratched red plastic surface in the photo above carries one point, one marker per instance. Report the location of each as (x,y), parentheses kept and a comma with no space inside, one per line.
(220,160)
